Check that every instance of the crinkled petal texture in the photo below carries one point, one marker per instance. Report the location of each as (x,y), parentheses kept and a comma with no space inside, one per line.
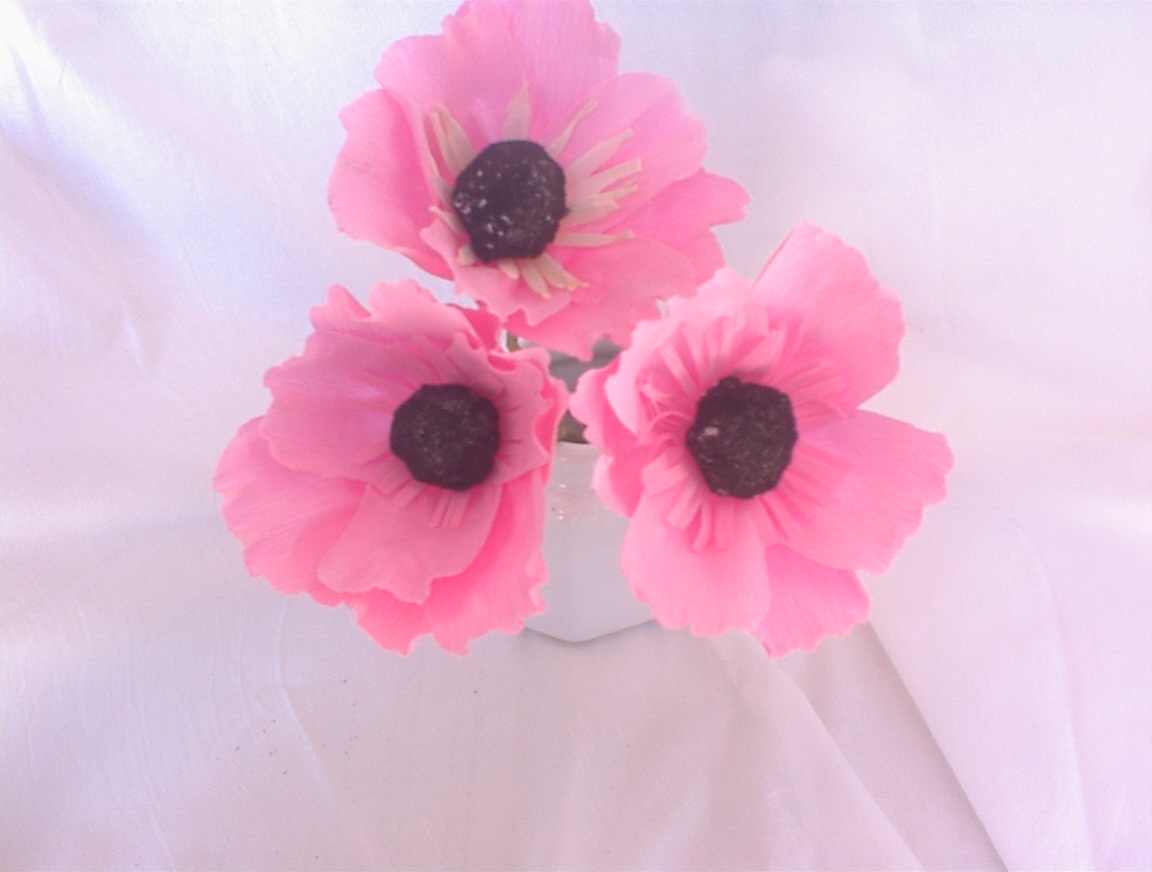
(640,207)
(324,507)
(817,327)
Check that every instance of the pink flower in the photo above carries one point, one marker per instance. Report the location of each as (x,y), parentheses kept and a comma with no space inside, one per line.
(509,153)
(732,439)
(400,470)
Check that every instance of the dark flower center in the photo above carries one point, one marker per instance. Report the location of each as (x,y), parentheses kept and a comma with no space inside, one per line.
(447,435)
(510,199)
(742,437)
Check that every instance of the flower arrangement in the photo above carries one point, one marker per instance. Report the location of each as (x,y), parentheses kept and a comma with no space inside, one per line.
(400,468)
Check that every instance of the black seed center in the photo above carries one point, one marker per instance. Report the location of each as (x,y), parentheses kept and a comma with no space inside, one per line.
(510,199)
(742,437)
(447,435)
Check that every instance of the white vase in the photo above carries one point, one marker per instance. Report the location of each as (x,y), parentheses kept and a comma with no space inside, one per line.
(586,595)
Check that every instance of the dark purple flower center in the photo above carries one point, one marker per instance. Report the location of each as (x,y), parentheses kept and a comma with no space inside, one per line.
(742,437)
(510,199)
(447,435)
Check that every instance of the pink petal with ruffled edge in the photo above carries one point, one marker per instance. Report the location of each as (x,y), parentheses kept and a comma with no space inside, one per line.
(617,477)
(624,281)
(530,404)
(894,471)
(546,72)
(394,549)
(498,590)
(488,50)
(620,390)
(663,374)
(668,143)
(287,520)
(383,546)
(401,547)
(809,601)
(711,199)
(824,290)
(331,412)
(673,361)
(400,312)
(394,624)
(709,591)
(857,483)
(373,192)
(564,51)
(501,586)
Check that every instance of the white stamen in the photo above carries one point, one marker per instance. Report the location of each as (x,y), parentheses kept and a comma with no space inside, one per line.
(590,209)
(407,493)
(394,475)
(560,141)
(448,511)
(535,280)
(685,508)
(594,158)
(589,240)
(590,195)
(555,274)
(440,509)
(449,218)
(443,189)
(455,148)
(519,114)
(599,182)
(619,193)
(455,513)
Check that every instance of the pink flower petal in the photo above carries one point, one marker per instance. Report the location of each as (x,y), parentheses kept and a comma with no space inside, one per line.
(323,506)
(546,72)
(500,587)
(893,469)
(668,142)
(617,477)
(530,405)
(488,50)
(620,389)
(823,289)
(287,520)
(331,412)
(323,423)
(402,547)
(394,624)
(817,327)
(711,199)
(550,35)
(373,193)
(709,591)
(497,292)
(623,282)
(404,309)
(809,601)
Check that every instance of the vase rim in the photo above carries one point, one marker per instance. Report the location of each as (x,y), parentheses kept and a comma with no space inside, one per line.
(576,450)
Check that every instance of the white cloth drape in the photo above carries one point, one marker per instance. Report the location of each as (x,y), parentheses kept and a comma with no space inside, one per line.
(165,231)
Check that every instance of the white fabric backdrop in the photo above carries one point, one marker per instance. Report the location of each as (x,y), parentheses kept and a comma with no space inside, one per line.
(165,231)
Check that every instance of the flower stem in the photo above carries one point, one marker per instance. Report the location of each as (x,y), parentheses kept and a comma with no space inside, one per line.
(570,430)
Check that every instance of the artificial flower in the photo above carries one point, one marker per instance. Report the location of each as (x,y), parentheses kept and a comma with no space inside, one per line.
(509,154)
(732,438)
(400,470)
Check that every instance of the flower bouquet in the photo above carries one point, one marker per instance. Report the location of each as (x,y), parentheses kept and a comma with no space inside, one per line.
(401,466)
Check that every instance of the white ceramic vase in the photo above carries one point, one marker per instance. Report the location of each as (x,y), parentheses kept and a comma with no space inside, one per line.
(586,595)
